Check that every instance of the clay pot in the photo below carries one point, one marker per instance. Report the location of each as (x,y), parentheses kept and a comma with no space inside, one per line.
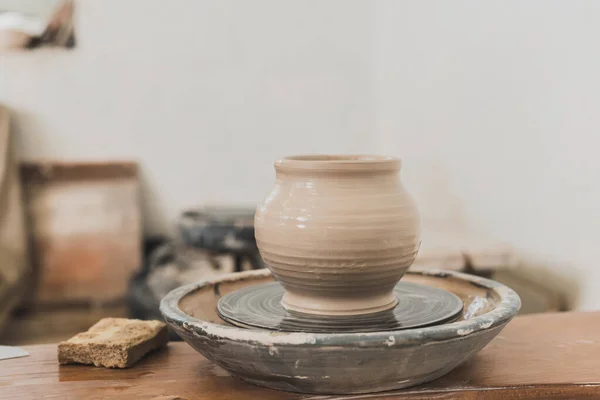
(338,232)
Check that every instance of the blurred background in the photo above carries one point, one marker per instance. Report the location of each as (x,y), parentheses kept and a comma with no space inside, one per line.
(138,136)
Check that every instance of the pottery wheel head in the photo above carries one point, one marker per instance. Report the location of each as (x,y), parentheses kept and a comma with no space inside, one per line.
(260,306)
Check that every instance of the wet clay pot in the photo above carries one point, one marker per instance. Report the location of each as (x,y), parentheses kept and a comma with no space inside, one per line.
(338,232)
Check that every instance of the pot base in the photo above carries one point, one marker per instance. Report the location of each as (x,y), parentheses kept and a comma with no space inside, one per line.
(338,306)
(260,306)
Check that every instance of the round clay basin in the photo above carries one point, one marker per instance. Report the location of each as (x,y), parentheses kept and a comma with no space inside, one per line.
(341,363)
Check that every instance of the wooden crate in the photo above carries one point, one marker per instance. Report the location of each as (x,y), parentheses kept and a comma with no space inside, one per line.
(85,229)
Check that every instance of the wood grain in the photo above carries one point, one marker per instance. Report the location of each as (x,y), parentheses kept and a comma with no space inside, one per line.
(541,356)
(51,172)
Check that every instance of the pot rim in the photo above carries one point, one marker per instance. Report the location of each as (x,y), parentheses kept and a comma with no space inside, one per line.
(505,310)
(338,162)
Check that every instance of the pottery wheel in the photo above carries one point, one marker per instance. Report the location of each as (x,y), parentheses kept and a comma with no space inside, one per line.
(418,306)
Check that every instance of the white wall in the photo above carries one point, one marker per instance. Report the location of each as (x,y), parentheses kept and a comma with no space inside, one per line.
(493,106)
(41,8)
(204,94)
(497,104)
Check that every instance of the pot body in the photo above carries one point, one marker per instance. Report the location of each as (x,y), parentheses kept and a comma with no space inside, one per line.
(338,232)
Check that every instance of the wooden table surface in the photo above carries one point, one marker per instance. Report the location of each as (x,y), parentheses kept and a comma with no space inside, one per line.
(538,356)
